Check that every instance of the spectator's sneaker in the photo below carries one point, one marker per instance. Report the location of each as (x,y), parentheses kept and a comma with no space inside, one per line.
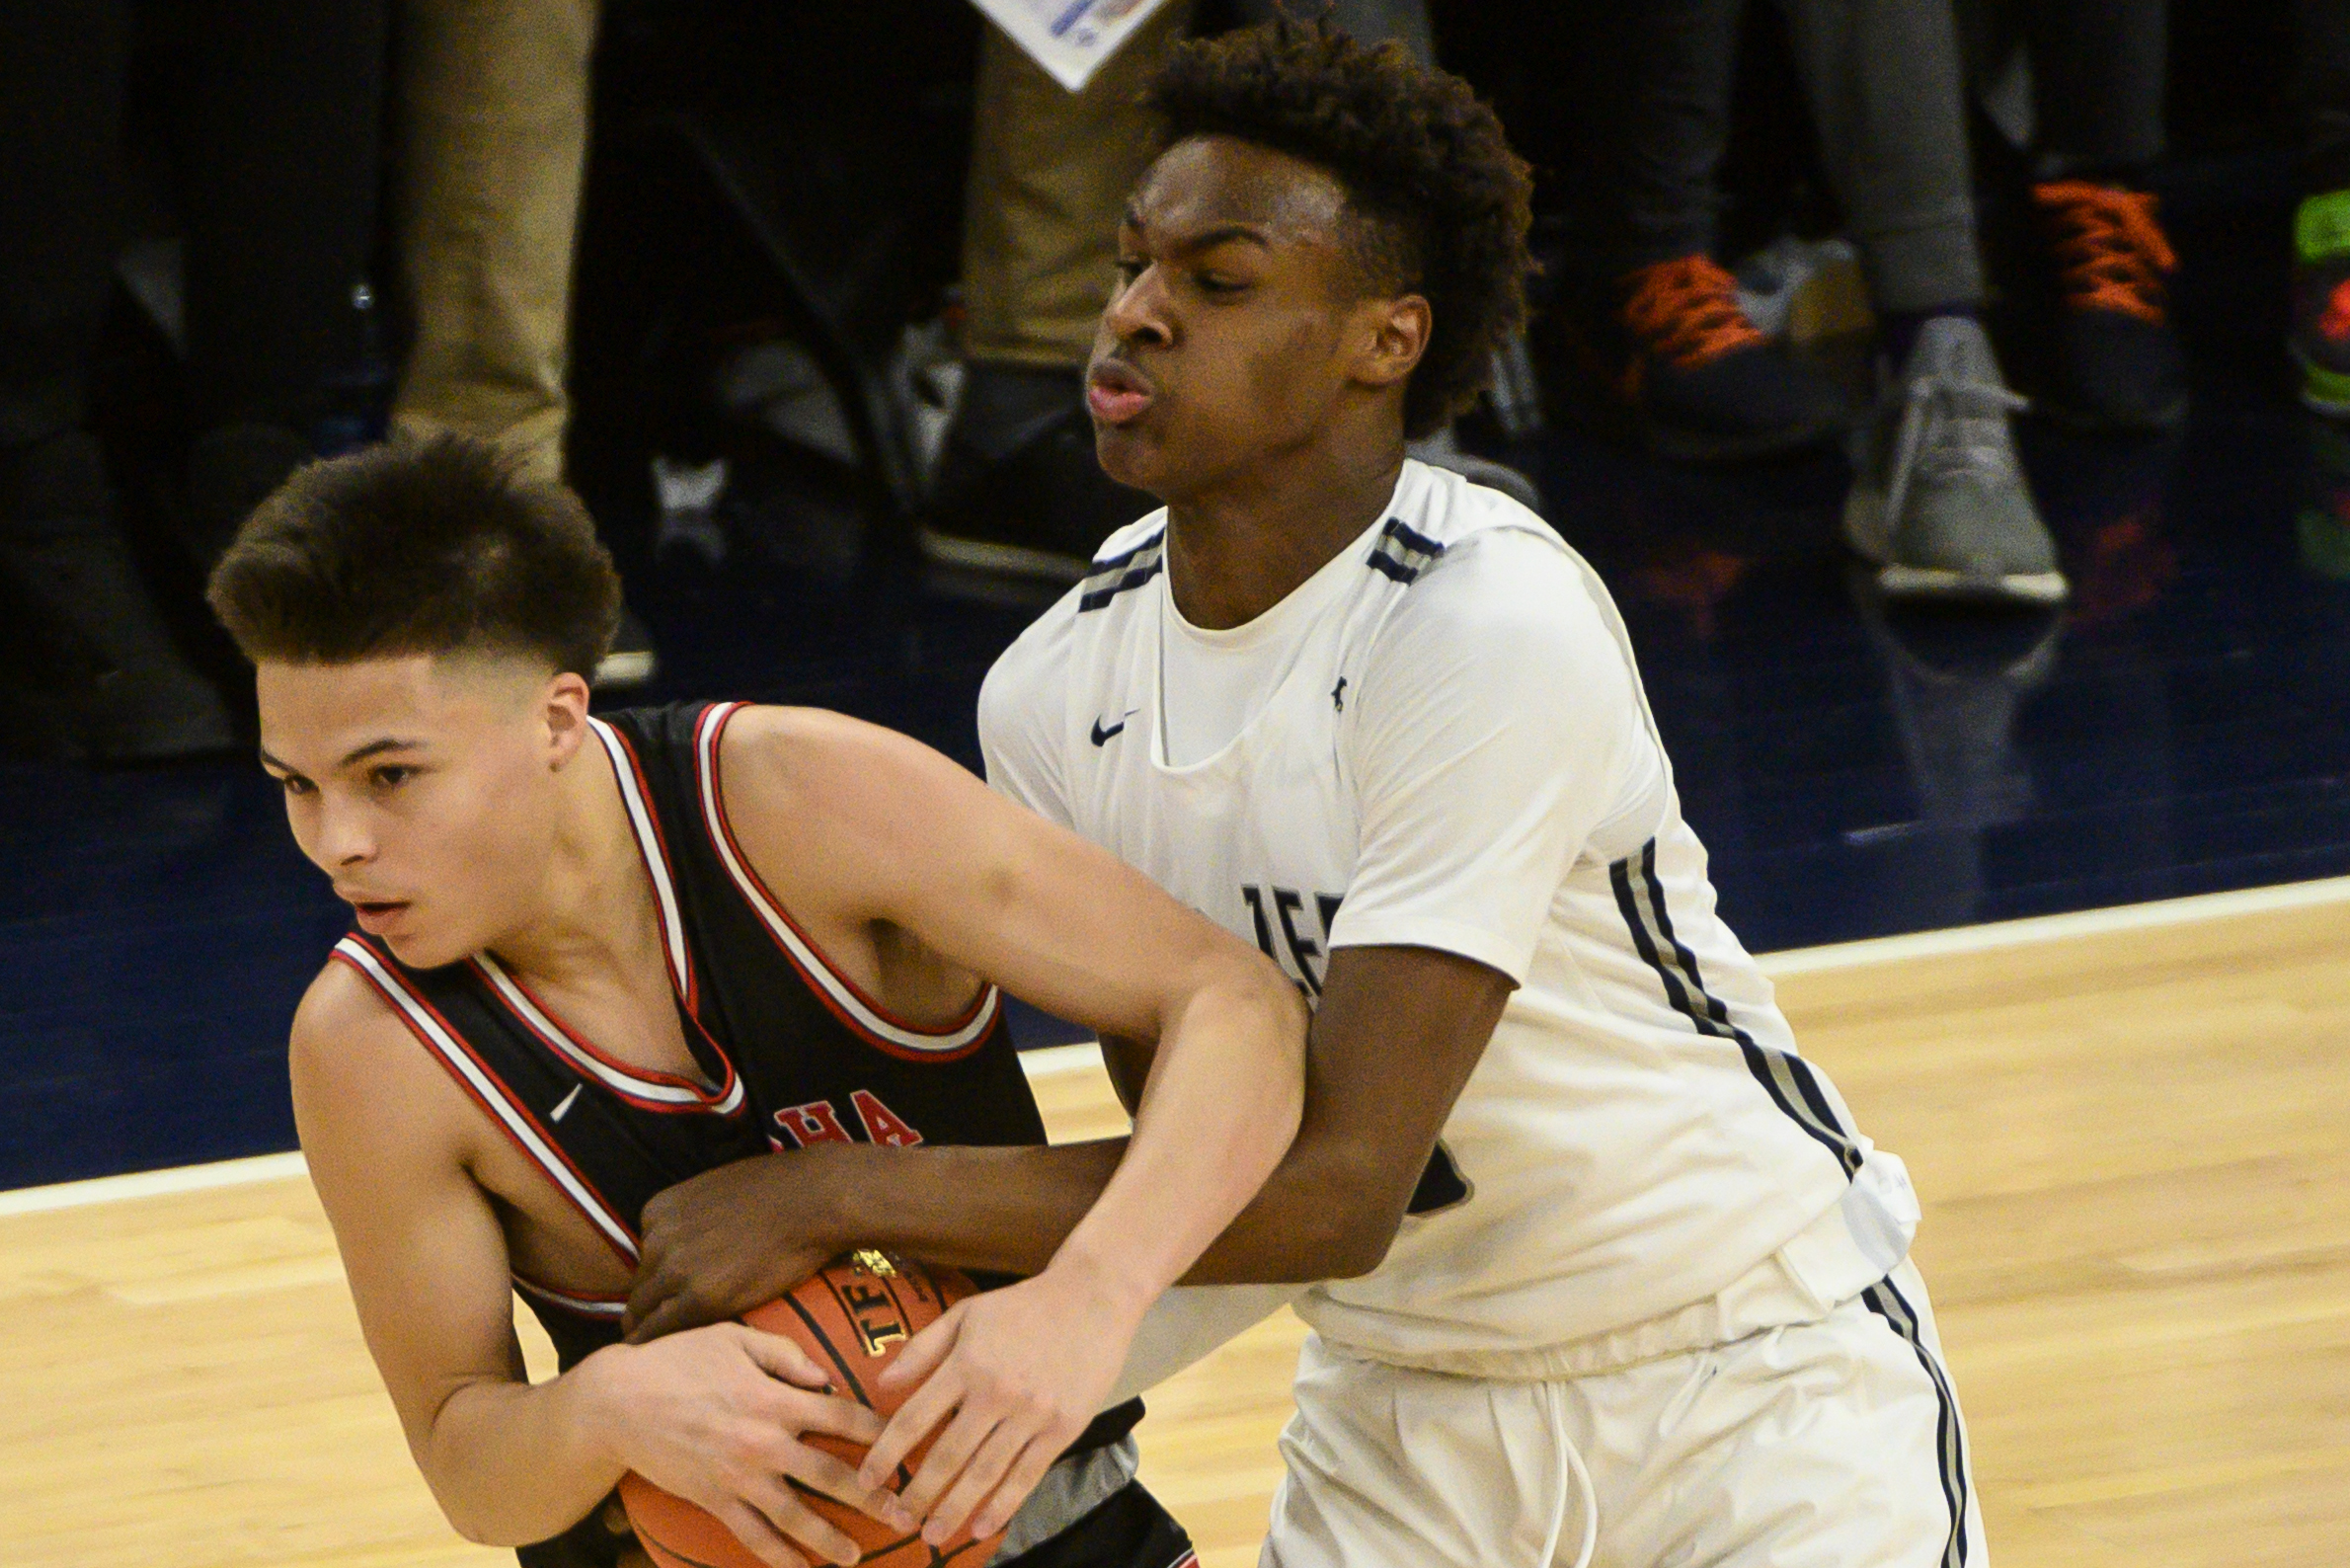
(2321,302)
(1703,380)
(123,687)
(2323,521)
(2116,362)
(631,662)
(1019,491)
(1938,501)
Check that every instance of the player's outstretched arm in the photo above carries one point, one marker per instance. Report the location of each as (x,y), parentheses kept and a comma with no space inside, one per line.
(877,831)
(714,1416)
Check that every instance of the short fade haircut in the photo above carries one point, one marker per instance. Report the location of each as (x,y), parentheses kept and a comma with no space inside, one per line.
(437,548)
(1444,200)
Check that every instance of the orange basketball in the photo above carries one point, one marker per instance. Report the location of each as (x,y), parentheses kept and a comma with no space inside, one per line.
(852,1315)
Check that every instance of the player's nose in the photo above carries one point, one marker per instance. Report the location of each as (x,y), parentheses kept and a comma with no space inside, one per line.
(346,835)
(1139,312)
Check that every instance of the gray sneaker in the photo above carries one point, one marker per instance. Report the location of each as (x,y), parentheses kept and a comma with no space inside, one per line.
(1937,499)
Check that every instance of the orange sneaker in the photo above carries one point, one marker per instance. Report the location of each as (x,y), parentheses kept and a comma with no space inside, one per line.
(1703,379)
(2117,361)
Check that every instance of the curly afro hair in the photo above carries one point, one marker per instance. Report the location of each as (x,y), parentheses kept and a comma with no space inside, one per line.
(1424,164)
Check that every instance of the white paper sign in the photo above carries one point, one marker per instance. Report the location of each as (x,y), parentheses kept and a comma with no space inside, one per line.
(1069,38)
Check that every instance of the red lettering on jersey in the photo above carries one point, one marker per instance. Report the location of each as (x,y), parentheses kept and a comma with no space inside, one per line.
(814,1122)
(882,1124)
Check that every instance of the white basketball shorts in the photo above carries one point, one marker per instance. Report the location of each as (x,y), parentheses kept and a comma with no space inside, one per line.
(1830,1443)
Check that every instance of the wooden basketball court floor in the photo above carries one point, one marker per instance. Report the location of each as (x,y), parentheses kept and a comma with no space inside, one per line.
(2131,1130)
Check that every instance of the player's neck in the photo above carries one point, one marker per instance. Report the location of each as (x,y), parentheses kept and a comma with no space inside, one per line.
(592,914)
(1237,550)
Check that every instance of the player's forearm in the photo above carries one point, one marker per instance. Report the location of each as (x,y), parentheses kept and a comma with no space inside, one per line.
(1321,1215)
(1219,1110)
(512,1463)
(1003,1210)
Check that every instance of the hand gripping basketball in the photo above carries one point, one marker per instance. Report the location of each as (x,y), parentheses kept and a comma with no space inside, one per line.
(853,1316)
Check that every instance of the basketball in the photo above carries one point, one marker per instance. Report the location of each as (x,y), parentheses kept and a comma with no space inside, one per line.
(853,1315)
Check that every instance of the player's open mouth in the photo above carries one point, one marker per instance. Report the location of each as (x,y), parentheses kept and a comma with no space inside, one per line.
(1116,393)
(375,916)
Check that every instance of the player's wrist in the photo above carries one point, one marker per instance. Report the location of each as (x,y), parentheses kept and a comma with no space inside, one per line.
(1108,1280)
(825,1198)
(607,1410)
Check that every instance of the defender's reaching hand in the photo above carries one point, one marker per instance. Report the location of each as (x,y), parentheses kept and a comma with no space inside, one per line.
(726,1241)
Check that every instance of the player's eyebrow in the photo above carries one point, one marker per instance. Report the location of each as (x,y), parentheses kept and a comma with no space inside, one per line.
(1207,239)
(357,755)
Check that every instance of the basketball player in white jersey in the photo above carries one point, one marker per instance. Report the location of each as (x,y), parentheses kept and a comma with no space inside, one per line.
(1608,1275)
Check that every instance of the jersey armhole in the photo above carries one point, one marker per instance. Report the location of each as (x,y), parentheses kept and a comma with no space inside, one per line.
(847,1000)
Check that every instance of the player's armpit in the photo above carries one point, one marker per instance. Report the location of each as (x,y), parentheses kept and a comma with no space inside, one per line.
(1398,1033)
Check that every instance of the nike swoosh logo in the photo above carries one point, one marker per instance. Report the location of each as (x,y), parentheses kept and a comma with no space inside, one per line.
(1101,737)
(567,1099)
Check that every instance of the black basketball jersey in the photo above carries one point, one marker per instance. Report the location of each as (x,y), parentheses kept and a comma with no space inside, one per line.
(791,1052)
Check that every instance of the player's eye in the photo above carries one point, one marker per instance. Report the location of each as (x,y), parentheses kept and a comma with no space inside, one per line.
(390,775)
(295,784)
(1130,268)
(1218,283)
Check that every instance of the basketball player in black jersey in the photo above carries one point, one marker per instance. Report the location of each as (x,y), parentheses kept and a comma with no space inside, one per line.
(596,956)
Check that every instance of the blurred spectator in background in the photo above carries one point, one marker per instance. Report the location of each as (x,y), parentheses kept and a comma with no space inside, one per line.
(2321,227)
(274,114)
(492,106)
(1660,318)
(1938,503)
(2097,72)
(493,126)
(1018,489)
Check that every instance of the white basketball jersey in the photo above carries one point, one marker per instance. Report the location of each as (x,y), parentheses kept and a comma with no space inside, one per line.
(1456,754)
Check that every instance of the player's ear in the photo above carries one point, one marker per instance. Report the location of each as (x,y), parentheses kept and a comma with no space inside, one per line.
(1397,332)
(563,708)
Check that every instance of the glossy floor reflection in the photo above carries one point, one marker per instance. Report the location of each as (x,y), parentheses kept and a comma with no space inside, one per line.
(1857,768)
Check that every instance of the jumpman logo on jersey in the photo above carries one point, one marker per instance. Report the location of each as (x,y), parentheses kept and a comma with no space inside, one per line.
(1101,735)
(1338,696)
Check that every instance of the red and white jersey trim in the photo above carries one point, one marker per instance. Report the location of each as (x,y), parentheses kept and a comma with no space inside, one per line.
(606,1308)
(657,1090)
(845,999)
(655,853)
(426,1024)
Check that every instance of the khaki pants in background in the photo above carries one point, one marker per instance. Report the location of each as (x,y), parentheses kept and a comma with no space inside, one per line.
(1049,174)
(492,109)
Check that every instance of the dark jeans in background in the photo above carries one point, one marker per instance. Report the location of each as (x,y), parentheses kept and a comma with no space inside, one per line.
(274,122)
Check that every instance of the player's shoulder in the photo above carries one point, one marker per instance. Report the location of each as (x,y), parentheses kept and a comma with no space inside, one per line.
(1032,674)
(1475,562)
(352,1055)
(342,1008)
(779,763)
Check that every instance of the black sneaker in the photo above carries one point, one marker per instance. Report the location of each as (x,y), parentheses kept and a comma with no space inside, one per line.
(1702,380)
(1019,491)
(124,691)
(2116,364)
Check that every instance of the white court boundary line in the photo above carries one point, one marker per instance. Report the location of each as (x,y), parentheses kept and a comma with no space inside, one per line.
(1055,1062)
